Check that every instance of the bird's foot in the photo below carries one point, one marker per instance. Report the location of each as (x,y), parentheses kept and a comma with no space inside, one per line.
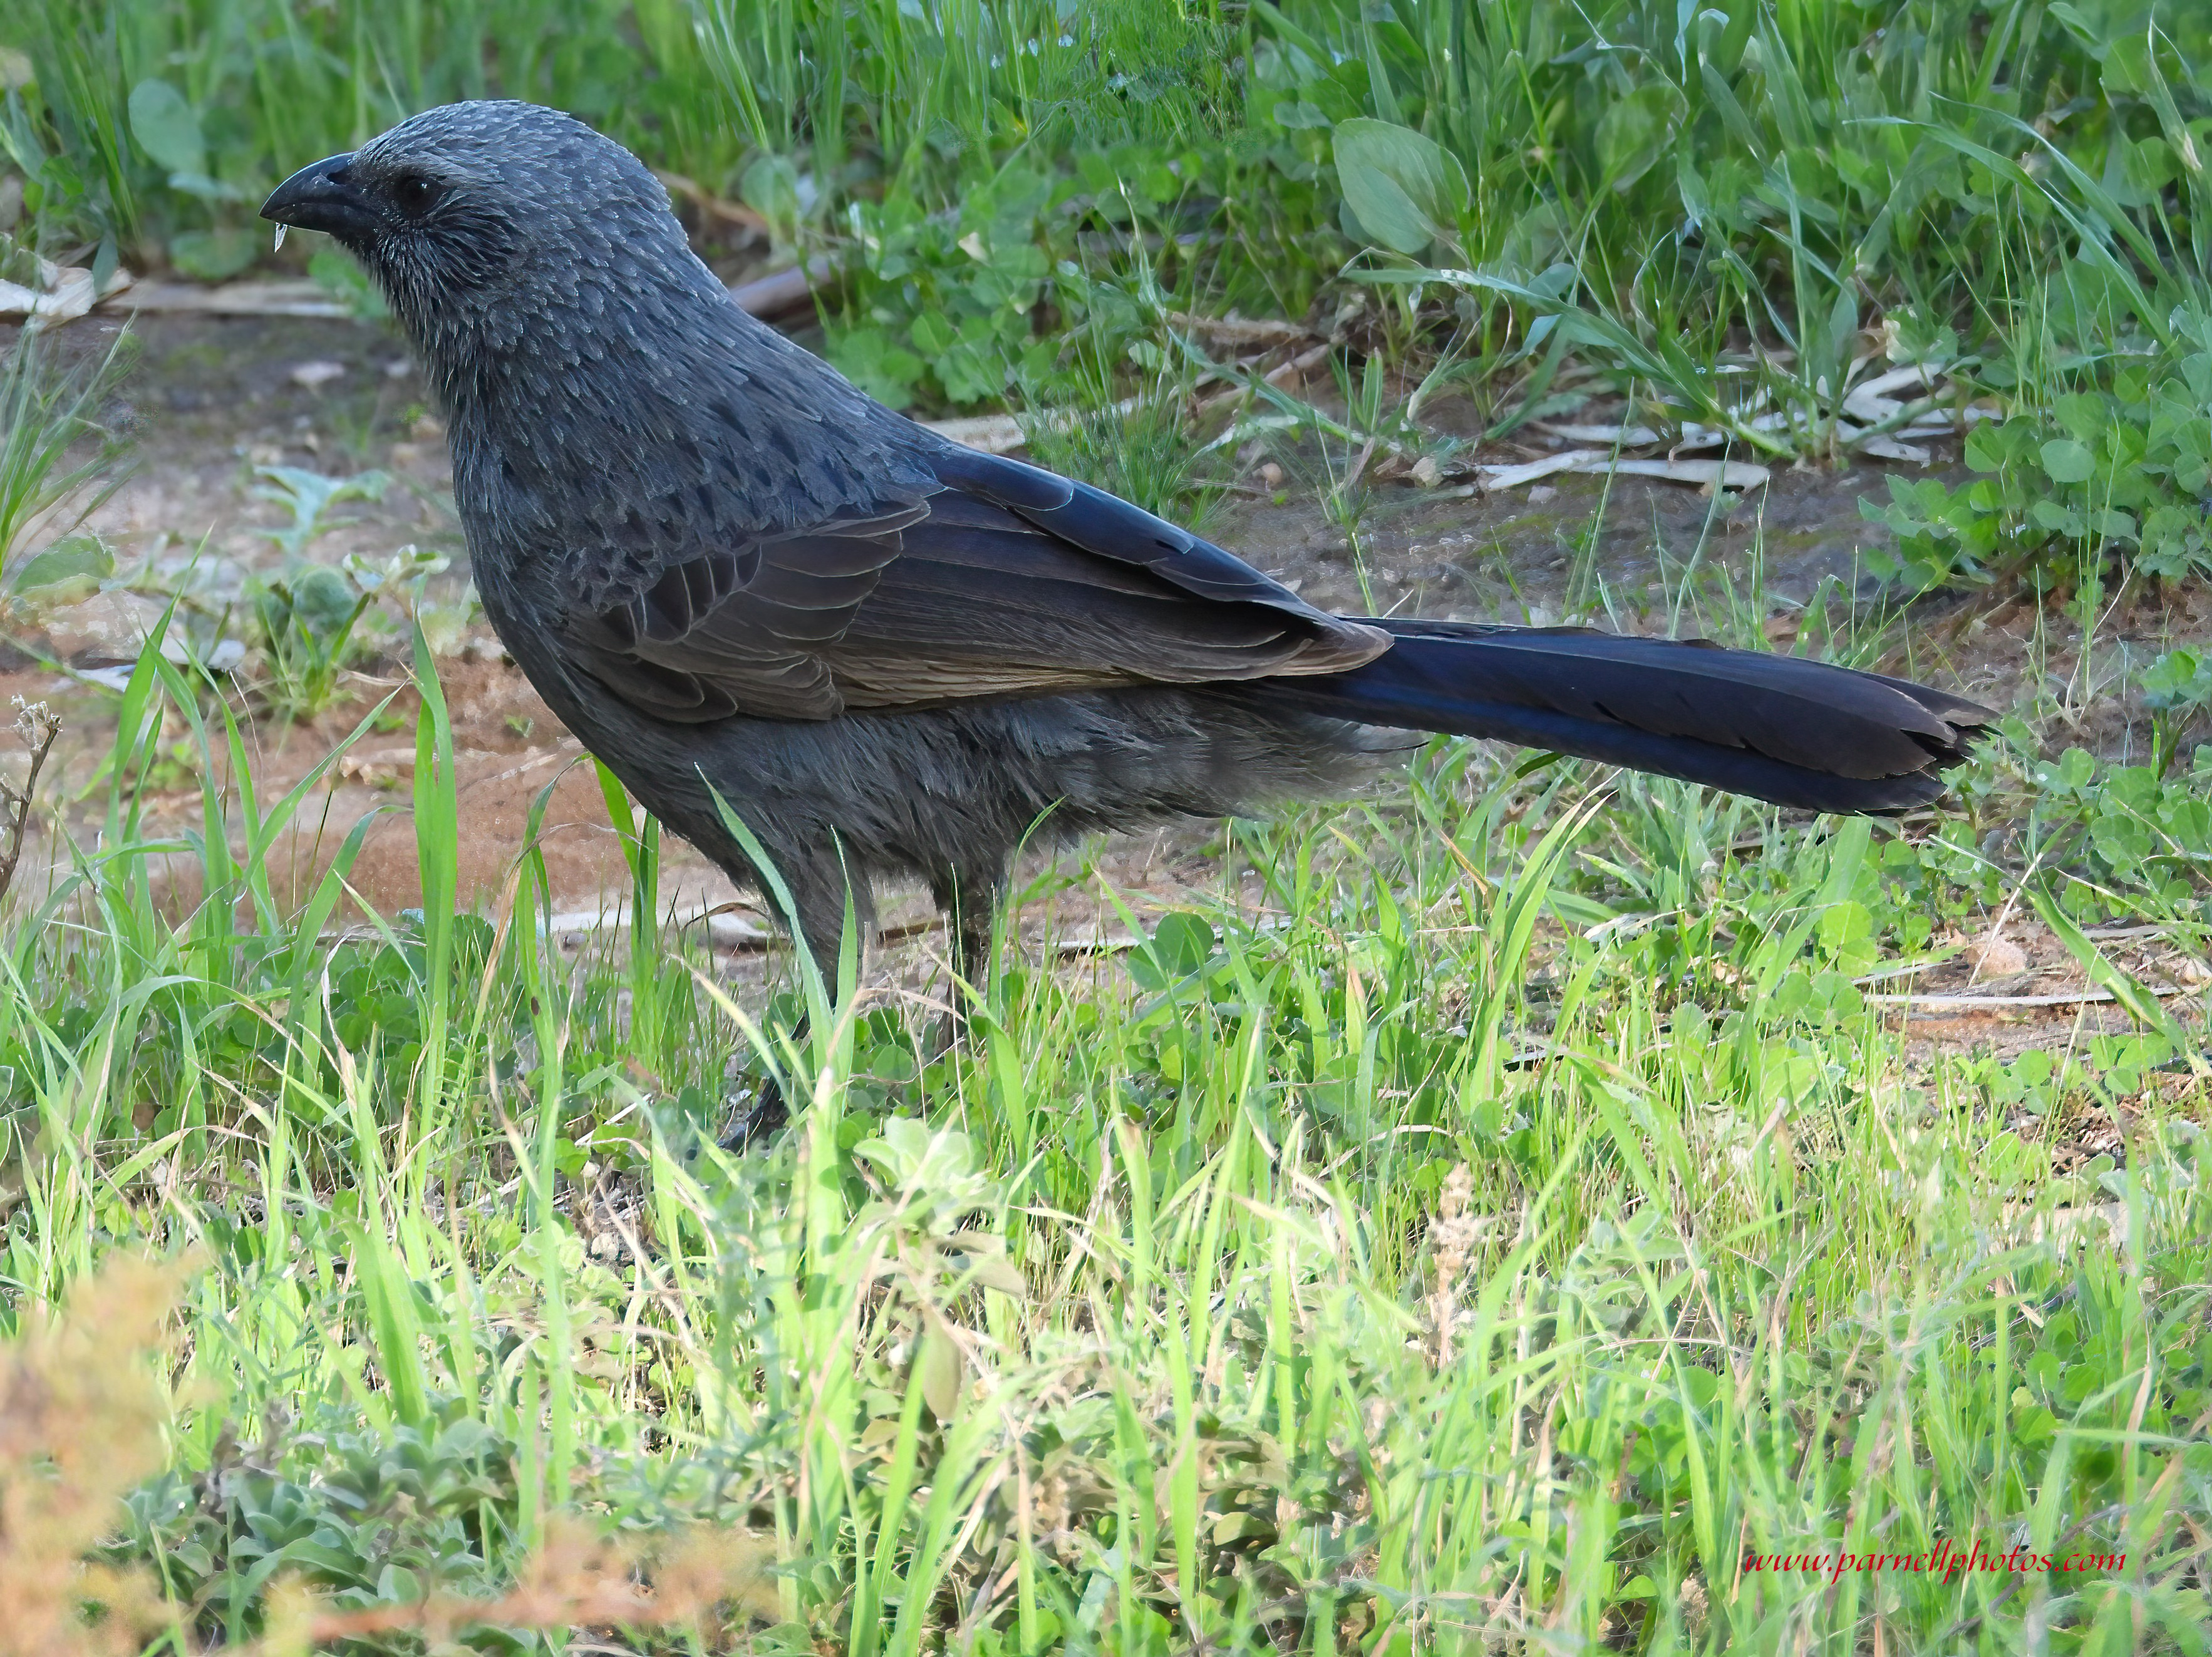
(954,1027)
(757,1120)
(946,1034)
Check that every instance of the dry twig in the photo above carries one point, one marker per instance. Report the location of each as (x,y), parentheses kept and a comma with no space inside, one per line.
(36,723)
(1240,331)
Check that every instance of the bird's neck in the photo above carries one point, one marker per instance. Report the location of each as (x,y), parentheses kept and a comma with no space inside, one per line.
(591,354)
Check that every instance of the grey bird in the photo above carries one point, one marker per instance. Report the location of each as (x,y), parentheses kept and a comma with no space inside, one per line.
(726,568)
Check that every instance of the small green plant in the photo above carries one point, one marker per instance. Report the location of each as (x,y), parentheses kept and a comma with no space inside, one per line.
(308,497)
(166,130)
(306,622)
(340,1509)
(2177,688)
(2122,474)
(65,572)
(56,458)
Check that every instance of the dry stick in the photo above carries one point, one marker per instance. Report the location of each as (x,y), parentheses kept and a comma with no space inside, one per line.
(1974,1003)
(1239,330)
(39,728)
(786,290)
(714,206)
(774,296)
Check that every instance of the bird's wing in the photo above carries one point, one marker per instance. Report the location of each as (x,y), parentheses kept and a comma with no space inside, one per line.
(1004,581)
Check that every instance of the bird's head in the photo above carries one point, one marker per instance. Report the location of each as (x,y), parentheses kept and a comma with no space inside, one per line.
(477,220)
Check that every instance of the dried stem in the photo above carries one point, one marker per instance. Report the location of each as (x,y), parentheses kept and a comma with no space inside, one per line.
(36,723)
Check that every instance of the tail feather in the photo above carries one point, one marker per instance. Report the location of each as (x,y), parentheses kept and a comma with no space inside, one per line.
(1780,728)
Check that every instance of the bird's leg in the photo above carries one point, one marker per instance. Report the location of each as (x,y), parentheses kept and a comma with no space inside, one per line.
(968,901)
(758,1120)
(821,930)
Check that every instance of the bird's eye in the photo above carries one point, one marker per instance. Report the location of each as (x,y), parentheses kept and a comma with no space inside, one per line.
(416,194)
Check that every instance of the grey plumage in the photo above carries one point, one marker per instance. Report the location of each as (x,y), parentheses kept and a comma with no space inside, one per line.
(717,561)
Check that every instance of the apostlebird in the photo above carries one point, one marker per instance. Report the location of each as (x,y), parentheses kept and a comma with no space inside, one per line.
(729,571)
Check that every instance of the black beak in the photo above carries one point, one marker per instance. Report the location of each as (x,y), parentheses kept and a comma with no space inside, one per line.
(322,197)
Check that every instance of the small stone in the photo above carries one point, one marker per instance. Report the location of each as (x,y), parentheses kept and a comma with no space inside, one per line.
(1996,956)
(1425,471)
(1542,493)
(1272,475)
(320,372)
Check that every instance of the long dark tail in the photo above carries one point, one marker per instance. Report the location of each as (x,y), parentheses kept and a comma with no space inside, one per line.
(1779,728)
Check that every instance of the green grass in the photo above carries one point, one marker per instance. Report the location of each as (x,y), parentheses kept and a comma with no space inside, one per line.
(1496,1217)
(54,455)
(1728,213)
(1502,1207)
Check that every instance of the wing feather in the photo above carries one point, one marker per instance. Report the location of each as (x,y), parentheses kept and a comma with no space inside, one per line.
(959,594)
